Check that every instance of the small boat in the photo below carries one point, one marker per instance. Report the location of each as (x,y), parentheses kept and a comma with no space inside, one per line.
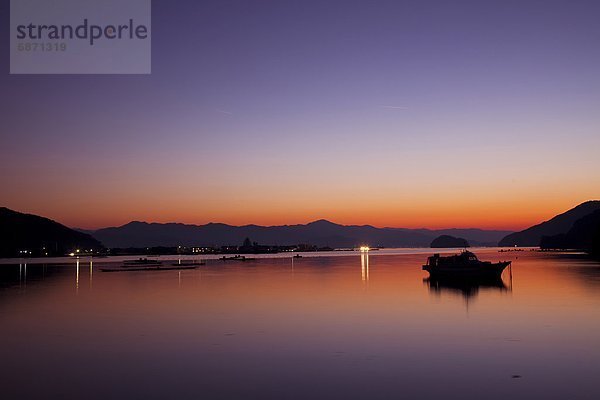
(141,262)
(146,268)
(461,265)
(237,258)
(297,256)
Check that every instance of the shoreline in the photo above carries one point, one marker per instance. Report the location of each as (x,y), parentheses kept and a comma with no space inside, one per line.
(216,257)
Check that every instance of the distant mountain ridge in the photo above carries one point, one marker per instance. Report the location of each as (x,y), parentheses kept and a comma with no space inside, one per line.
(319,233)
(560,224)
(38,236)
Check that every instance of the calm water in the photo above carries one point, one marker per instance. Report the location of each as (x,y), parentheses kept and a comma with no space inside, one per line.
(324,327)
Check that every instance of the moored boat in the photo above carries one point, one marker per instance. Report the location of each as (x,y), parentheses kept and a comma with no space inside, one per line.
(141,262)
(146,268)
(237,258)
(465,264)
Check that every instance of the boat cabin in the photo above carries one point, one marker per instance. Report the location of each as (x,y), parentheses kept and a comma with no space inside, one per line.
(466,257)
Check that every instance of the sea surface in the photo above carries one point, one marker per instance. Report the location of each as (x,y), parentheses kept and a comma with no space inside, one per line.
(348,326)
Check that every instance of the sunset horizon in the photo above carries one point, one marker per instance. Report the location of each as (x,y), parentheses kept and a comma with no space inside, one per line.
(511,220)
(355,114)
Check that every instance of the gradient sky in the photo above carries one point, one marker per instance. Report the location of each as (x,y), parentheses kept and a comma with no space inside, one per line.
(391,113)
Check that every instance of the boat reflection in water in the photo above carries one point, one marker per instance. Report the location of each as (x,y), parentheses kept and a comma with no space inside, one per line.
(467,287)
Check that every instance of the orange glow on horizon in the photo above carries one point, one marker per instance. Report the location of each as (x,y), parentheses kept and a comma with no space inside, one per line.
(514,216)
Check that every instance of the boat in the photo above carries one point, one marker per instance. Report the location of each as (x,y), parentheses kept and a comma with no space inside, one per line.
(463,265)
(146,268)
(297,256)
(141,262)
(237,258)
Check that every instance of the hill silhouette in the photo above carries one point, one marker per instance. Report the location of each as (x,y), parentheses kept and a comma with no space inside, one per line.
(584,235)
(38,235)
(320,233)
(447,241)
(560,224)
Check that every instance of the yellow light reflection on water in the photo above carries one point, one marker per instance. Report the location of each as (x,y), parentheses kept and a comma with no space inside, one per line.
(364,263)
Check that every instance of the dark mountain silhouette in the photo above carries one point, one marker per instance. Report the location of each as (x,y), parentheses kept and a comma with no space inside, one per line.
(320,233)
(562,223)
(584,235)
(445,241)
(38,235)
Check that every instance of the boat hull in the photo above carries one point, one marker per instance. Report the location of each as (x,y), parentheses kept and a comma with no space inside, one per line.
(146,268)
(491,270)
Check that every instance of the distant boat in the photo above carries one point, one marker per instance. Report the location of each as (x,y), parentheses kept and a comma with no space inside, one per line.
(146,268)
(464,264)
(237,258)
(140,262)
(297,256)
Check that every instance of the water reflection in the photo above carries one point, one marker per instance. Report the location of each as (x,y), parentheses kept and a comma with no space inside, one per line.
(272,334)
(364,263)
(468,288)
(23,275)
(581,267)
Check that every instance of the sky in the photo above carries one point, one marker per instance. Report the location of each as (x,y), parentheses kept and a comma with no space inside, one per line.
(392,113)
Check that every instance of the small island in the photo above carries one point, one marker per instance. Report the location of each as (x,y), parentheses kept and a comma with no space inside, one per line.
(447,241)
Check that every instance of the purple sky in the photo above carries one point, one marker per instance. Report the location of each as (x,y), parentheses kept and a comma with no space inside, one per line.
(398,113)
